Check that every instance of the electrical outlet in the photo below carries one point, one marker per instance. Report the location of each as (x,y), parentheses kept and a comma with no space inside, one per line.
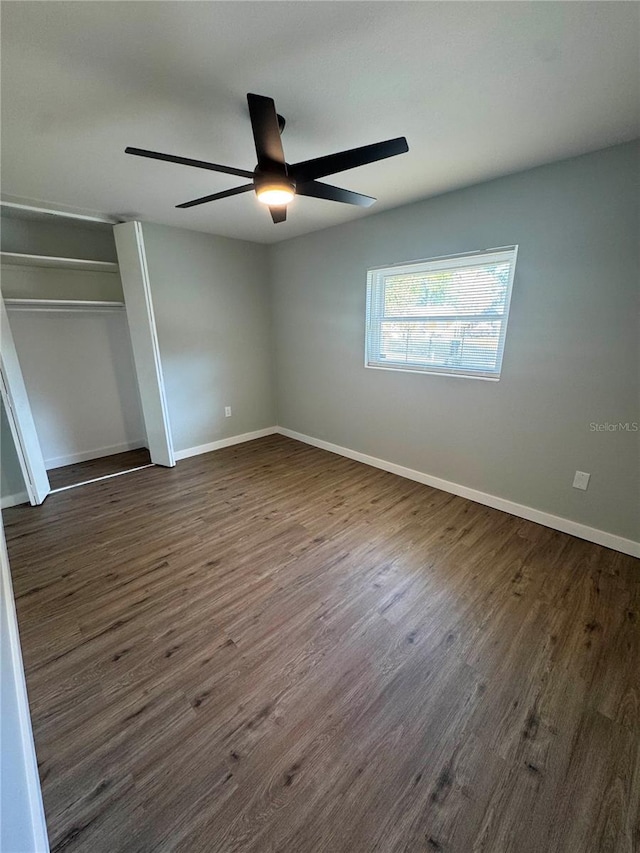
(581,480)
(227,414)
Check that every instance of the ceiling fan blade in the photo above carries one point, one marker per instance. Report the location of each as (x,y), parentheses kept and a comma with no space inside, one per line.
(309,170)
(278,214)
(224,194)
(266,133)
(315,189)
(187,161)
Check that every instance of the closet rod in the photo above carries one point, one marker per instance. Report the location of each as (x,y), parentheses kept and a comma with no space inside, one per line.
(62,305)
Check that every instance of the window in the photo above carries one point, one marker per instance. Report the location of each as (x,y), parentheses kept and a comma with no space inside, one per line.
(445,315)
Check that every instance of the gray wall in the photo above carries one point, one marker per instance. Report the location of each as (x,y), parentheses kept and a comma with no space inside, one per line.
(79,373)
(65,238)
(20,282)
(571,355)
(210,298)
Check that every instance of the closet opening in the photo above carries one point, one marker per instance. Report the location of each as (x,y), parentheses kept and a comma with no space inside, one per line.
(67,340)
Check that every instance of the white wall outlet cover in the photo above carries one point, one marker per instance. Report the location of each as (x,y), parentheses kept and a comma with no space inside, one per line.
(227,411)
(581,480)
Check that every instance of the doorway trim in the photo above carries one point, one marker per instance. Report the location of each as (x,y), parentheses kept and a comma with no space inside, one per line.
(136,286)
(23,801)
(21,423)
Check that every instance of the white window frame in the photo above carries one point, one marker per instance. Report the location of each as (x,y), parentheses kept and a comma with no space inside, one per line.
(375,315)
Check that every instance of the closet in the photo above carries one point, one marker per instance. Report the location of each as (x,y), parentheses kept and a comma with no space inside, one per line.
(86,356)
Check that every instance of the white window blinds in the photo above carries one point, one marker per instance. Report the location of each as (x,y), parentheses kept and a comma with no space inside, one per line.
(445,315)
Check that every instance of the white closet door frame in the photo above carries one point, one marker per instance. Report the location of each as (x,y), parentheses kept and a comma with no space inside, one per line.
(134,275)
(20,794)
(18,408)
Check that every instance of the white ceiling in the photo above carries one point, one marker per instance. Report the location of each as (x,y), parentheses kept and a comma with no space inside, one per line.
(479,89)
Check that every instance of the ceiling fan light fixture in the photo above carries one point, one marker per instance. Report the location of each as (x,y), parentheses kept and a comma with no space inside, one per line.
(275,196)
(275,192)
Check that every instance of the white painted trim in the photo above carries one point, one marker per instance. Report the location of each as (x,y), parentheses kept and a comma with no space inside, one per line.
(225,442)
(14,500)
(20,259)
(556,522)
(50,211)
(420,372)
(136,285)
(34,794)
(20,417)
(98,453)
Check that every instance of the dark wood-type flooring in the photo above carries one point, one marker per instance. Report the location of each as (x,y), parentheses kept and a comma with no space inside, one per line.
(272,648)
(80,472)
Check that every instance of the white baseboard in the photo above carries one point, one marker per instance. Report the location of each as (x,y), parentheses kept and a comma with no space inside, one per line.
(13,500)
(224,442)
(565,525)
(98,453)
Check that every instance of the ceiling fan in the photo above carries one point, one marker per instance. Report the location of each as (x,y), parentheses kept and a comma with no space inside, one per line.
(274,180)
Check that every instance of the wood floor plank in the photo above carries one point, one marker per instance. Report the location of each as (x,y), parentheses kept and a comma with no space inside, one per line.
(272,648)
(104,466)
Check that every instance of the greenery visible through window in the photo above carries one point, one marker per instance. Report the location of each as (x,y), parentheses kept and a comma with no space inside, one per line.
(445,315)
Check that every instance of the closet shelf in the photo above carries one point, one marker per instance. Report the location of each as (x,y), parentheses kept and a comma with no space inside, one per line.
(62,305)
(19,259)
